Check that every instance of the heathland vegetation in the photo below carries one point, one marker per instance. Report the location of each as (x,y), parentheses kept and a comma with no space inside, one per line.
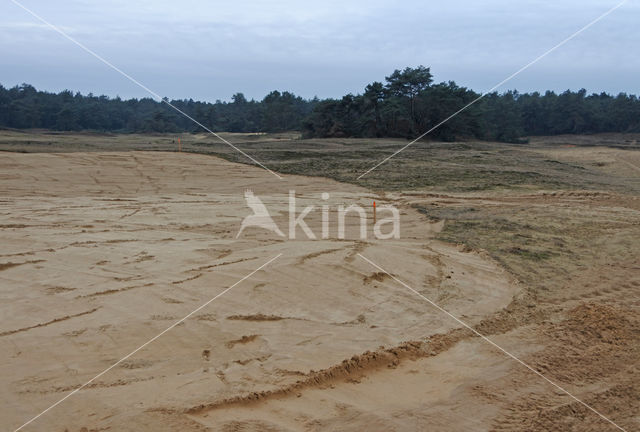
(405,105)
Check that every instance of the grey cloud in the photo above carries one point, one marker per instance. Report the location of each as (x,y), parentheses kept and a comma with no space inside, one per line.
(209,50)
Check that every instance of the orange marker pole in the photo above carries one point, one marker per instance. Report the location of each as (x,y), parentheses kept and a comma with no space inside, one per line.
(179,145)
(374,212)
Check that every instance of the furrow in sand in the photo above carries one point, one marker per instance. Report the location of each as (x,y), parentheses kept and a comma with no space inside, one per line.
(53,321)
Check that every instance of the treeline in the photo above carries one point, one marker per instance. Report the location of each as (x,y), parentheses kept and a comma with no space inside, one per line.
(24,107)
(407,104)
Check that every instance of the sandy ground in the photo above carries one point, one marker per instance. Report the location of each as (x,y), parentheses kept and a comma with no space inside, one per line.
(103,251)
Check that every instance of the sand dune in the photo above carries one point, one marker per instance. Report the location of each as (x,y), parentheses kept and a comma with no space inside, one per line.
(103,251)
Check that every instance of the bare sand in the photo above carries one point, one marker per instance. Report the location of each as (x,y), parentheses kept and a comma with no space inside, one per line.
(103,251)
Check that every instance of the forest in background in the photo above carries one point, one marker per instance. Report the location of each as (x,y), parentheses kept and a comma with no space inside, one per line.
(407,104)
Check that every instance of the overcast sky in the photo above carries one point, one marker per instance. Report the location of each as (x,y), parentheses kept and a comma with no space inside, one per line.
(208,50)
